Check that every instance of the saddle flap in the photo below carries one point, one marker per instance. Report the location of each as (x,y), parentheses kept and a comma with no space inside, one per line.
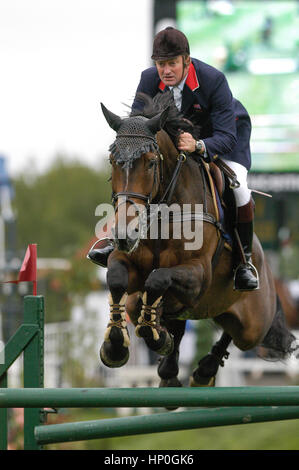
(218,178)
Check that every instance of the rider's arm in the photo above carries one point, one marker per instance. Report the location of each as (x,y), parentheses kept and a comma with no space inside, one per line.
(224,137)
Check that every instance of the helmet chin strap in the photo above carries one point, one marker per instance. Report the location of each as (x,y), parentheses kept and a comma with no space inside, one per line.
(184,67)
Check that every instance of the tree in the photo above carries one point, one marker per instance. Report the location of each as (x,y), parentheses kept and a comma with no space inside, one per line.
(56,209)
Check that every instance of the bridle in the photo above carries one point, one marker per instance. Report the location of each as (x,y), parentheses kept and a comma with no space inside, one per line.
(127,195)
(167,195)
(166,198)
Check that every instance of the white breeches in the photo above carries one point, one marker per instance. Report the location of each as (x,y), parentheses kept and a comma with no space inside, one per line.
(242,194)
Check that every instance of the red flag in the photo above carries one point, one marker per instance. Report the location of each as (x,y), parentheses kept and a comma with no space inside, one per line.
(28,269)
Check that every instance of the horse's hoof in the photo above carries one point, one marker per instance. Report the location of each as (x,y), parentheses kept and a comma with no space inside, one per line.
(202,381)
(162,346)
(173,382)
(168,366)
(168,345)
(112,358)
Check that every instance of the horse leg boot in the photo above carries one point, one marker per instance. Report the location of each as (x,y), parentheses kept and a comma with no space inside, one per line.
(149,325)
(185,282)
(205,374)
(246,276)
(114,351)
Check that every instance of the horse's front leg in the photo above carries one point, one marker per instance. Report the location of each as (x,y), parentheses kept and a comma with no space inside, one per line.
(114,351)
(185,282)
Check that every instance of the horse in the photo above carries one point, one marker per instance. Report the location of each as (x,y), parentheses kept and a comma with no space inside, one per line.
(159,283)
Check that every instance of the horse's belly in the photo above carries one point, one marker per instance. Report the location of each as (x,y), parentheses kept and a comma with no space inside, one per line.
(215,301)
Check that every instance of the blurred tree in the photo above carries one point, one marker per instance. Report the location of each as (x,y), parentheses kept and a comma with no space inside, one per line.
(56,209)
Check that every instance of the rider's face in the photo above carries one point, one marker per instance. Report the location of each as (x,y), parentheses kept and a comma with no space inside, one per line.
(172,71)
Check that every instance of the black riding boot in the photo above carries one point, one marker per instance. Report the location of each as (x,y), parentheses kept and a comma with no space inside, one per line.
(246,276)
(100,255)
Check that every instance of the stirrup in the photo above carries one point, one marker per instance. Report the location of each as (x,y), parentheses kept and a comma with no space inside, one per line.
(110,243)
(98,241)
(255,272)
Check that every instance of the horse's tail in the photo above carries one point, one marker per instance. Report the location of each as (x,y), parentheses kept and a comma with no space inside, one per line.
(279,342)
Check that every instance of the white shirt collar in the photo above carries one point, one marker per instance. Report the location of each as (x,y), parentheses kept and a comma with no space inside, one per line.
(180,85)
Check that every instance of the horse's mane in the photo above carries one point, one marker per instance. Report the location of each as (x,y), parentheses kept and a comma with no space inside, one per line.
(128,146)
(175,122)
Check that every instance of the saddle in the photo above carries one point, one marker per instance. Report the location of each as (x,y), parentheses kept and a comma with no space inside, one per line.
(221,180)
(221,183)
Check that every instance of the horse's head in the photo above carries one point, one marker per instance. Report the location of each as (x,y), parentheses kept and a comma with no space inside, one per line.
(136,172)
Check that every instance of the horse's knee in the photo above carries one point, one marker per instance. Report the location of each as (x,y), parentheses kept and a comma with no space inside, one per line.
(117,279)
(157,283)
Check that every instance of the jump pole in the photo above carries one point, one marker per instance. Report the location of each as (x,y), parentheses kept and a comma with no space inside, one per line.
(161,422)
(148,397)
(243,405)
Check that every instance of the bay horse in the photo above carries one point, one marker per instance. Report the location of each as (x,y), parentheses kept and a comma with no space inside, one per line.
(158,282)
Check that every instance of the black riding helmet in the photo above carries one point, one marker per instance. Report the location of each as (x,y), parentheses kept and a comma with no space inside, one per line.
(170,43)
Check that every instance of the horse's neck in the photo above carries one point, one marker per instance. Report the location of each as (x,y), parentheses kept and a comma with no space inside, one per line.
(190,186)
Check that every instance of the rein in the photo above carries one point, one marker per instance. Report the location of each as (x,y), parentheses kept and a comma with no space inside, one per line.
(170,188)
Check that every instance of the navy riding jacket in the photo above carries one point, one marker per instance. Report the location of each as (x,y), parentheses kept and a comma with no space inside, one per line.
(207,101)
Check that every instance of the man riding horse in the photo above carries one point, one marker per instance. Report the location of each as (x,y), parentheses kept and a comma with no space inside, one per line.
(222,129)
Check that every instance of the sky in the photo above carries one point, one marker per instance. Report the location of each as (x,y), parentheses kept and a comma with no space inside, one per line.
(59,60)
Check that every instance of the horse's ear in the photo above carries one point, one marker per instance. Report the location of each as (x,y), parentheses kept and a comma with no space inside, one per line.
(113,120)
(158,122)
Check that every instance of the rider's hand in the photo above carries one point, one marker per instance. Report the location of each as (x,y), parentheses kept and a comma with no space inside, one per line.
(186,142)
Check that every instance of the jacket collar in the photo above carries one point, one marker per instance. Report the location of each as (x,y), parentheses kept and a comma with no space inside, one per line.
(191,80)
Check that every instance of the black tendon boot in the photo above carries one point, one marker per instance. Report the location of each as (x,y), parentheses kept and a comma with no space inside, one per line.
(246,275)
(100,254)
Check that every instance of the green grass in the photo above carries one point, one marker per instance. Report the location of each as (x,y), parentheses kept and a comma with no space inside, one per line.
(282,435)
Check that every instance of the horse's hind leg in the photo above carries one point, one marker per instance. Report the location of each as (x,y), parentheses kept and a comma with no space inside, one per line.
(169,365)
(204,375)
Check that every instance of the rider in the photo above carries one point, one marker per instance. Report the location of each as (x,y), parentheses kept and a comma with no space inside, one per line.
(203,96)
